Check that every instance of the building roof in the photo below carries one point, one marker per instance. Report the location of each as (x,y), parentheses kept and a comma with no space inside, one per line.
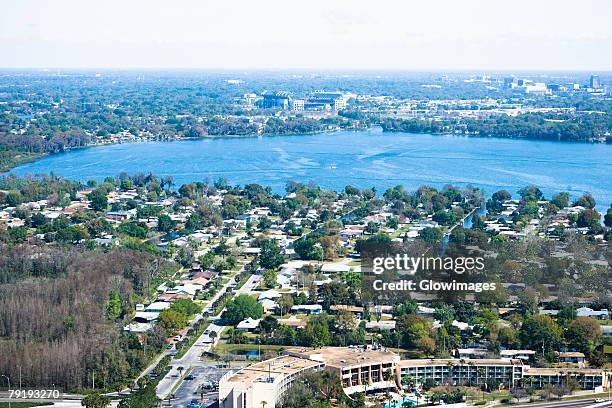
(343,357)
(248,323)
(515,352)
(158,306)
(570,354)
(347,308)
(457,362)
(561,371)
(262,371)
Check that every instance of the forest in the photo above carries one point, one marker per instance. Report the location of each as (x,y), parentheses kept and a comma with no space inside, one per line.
(62,312)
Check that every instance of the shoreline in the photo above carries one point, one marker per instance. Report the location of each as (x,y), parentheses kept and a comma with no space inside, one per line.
(376,127)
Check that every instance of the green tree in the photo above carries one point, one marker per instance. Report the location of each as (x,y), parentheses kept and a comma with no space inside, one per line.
(561,200)
(269,278)
(98,200)
(95,401)
(430,235)
(172,321)
(270,256)
(584,334)
(241,307)
(608,218)
(186,307)
(586,201)
(316,333)
(165,223)
(113,307)
(540,331)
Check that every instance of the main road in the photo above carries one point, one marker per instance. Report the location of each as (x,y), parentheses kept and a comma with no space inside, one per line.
(204,343)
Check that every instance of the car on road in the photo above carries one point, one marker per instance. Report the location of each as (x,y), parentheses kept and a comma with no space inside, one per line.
(207,385)
(189,377)
(598,400)
(169,347)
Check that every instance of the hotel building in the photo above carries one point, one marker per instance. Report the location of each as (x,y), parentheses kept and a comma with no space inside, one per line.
(367,370)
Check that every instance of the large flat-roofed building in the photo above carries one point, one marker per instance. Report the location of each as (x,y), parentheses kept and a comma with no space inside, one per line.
(505,372)
(265,381)
(589,379)
(336,100)
(364,369)
(359,368)
(276,100)
(469,372)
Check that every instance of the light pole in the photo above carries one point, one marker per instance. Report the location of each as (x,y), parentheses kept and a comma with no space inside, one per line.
(9,387)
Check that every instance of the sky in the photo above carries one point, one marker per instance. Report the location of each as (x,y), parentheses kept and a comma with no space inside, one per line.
(312,34)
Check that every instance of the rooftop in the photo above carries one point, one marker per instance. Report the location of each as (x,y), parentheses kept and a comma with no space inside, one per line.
(457,362)
(343,357)
(263,371)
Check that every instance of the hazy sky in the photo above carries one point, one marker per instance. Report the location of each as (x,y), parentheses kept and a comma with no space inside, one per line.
(320,34)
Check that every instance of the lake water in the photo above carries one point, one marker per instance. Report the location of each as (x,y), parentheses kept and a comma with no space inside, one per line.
(364,159)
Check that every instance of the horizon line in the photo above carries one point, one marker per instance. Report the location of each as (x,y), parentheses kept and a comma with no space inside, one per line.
(302,69)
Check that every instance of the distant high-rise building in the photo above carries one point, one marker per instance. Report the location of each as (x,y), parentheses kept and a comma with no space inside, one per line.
(276,100)
(336,100)
(509,82)
(297,105)
(594,82)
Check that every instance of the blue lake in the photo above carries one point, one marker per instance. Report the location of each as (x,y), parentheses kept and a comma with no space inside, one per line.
(363,158)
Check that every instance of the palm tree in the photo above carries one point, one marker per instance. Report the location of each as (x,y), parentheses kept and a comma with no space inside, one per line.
(470,370)
(461,364)
(450,366)
(263,404)
(482,372)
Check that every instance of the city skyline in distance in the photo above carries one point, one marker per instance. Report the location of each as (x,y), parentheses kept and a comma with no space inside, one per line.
(273,35)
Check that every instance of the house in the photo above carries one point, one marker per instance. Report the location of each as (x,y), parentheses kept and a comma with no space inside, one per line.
(524,355)
(602,314)
(574,357)
(270,294)
(268,305)
(248,324)
(293,321)
(471,353)
(426,311)
(335,268)
(146,317)
(307,309)
(546,312)
(157,307)
(136,327)
(120,215)
(381,325)
(357,310)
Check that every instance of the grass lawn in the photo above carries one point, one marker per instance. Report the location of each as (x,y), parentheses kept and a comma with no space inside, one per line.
(24,404)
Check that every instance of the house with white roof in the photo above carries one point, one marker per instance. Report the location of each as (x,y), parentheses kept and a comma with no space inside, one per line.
(602,314)
(307,309)
(270,294)
(248,324)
